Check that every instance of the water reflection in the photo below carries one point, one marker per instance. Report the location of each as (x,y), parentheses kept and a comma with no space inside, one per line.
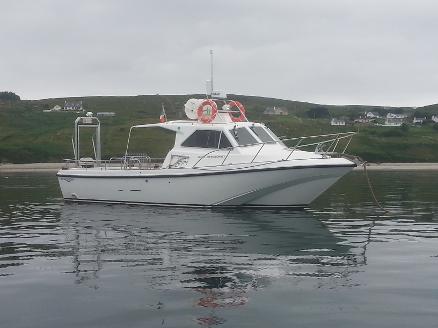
(198,249)
(222,258)
(220,255)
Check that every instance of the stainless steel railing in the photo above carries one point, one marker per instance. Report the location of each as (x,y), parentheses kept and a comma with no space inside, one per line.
(120,163)
(327,145)
(331,145)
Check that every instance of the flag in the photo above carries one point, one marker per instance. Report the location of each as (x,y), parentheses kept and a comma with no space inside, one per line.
(163,117)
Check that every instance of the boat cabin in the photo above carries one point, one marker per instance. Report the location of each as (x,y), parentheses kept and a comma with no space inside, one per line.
(211,138)
(199,144)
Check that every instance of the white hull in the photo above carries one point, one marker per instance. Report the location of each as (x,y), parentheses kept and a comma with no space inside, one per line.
(259,185)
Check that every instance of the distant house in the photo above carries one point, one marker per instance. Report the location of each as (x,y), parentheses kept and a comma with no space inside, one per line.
(395,119)
(363,120)
(338,122)
(73,106)
(108,114)
(276,111)
(434,118)
(418,120)
(55,108)
(372,115)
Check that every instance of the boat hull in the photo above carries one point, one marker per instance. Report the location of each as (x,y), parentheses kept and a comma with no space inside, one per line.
(291,186)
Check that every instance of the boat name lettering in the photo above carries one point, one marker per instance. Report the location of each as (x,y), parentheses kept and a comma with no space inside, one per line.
(215,156)
(68,179)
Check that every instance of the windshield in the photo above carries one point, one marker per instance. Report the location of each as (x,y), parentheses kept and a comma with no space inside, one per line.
(263,135)
(243,136)
(274,136)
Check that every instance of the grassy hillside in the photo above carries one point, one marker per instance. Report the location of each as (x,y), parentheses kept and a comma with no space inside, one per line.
(27,134)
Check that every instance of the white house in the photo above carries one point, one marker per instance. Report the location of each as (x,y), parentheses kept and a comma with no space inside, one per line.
(73,105)
(276,111)
(372,115)
(395,119)
(362,120)
(108,114)
(338,122)
(418,120)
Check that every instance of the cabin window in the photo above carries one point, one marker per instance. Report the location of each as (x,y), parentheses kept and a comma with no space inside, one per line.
(207,139)
(243,136)
(262,134)
(224,143)
(274,136)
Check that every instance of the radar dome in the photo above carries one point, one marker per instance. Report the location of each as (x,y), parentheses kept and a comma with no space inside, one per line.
(191,108)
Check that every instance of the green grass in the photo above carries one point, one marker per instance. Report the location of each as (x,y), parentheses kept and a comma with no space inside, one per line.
(29,135)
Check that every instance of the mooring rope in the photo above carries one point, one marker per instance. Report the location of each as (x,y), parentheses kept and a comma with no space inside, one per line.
(364,163)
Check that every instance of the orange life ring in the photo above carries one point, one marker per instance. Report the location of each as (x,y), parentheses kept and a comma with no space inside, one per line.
(207,115)
(242,116)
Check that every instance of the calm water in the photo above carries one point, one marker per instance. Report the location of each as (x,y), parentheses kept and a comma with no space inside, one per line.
(340,263)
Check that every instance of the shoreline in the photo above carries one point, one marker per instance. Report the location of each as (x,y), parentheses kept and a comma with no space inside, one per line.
(399,167)
(54,167)
(30,167)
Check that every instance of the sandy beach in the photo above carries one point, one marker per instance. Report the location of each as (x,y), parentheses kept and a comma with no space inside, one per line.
(53,167)
(31,167)
(399,166)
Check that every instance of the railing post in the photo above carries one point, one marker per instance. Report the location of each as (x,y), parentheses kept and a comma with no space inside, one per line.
(336,145)
(229,152)
(202,157)
(257,153)
(348,143)
(293,149)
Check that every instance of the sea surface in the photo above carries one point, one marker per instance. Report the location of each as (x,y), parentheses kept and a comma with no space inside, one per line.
(342,262)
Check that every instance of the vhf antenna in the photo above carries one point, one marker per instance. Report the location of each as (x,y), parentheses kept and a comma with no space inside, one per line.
(209,83)
(211,72)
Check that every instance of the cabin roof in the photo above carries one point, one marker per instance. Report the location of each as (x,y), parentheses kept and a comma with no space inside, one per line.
(177,125)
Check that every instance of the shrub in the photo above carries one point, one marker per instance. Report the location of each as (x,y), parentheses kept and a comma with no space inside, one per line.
(404,128)
(392,133)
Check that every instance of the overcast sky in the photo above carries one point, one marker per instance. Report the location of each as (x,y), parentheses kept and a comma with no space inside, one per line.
(378,52)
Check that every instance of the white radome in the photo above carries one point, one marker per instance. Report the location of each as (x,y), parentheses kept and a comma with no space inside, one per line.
(191,107)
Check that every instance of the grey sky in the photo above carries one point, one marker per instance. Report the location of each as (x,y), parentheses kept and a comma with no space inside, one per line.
(381,52)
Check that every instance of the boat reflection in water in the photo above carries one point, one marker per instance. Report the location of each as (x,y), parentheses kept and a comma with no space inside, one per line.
(341,262)
(222,255)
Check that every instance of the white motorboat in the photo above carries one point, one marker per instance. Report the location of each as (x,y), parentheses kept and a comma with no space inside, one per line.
(219,158)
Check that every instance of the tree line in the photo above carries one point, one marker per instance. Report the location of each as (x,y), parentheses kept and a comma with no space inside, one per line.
(9,96)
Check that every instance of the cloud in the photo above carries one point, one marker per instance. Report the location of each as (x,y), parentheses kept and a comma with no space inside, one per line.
(338,51)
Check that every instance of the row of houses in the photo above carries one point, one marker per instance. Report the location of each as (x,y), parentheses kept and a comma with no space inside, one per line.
(276,111)
(390,119)
(69,106)
(77,107)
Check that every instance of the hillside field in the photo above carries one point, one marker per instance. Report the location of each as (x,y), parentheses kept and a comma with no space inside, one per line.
(27,134)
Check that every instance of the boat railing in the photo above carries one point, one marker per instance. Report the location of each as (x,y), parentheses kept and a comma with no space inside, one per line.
(137,161)
(134,161)
(334,144)
(329,146)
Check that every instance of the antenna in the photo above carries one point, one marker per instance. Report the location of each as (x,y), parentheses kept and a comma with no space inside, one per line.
(211,72)
(207,88)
